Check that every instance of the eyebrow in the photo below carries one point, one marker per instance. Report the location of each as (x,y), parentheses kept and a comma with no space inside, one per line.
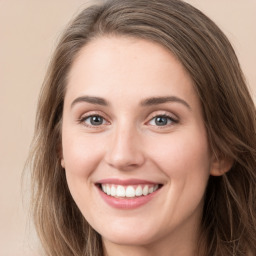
(90,99)
(162,100)
(146,102)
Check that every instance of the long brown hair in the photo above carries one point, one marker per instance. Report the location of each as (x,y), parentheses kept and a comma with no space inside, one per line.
(229,218)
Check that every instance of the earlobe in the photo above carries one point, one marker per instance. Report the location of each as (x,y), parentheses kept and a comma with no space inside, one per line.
(62,162)
(220,166)
(60,156)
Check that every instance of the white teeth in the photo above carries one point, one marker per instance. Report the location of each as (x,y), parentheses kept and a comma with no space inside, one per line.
(145,190)
(108,190)
(103,187)
(120,191)
(129,191)
(138,191)
(113,191)
(150,190)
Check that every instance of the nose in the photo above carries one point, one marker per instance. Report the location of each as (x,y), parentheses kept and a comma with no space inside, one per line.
(125,151)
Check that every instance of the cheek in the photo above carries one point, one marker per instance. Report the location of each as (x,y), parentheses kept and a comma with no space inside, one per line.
(81,153)
(81,157)
(185,159)
(183,154)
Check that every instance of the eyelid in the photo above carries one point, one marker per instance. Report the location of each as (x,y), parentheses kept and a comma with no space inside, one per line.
(83,117)
(172,117)
(153,115)
(163,113)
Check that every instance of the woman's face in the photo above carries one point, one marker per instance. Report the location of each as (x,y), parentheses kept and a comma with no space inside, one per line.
(133,126)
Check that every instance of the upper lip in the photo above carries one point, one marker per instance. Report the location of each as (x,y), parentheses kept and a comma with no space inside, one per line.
(126,182)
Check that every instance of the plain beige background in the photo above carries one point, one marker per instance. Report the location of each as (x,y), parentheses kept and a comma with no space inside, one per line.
(29,30)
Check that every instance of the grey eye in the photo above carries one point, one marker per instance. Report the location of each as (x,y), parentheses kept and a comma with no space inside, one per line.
(94,120)
(161,120)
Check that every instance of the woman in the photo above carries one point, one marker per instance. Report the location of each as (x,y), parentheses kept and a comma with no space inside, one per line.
(145,137)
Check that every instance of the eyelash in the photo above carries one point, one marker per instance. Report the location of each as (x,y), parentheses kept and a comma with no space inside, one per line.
(84,118)
(171,120)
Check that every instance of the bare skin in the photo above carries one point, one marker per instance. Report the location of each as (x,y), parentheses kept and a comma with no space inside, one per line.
(131,112)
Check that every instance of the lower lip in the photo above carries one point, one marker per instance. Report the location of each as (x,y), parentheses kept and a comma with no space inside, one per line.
(127,204)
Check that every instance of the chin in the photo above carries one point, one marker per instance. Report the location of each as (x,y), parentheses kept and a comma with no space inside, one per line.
(130,235)
(129,239)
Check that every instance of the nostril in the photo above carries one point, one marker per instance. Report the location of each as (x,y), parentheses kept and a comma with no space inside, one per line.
(124,152)
(125,162)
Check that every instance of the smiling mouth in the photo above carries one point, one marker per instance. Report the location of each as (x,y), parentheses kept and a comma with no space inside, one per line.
(129,191)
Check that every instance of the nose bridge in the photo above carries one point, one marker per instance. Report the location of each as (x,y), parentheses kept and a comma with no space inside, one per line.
(125,151)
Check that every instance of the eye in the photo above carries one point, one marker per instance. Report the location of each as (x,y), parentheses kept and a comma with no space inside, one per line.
(162,120)
(93,120)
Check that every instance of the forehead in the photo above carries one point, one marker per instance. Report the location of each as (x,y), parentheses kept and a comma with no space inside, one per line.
(122,63)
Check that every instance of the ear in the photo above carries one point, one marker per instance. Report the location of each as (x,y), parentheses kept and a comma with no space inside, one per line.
(220,165)
(62,162)
(60,156)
